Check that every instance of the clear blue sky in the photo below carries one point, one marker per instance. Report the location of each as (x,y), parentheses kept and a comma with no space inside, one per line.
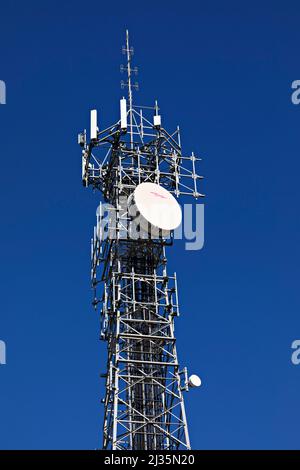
(223,71)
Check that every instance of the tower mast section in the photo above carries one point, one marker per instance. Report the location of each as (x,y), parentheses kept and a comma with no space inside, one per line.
(136,298)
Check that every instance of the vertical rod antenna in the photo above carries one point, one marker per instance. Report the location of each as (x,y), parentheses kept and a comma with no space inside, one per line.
(129,85)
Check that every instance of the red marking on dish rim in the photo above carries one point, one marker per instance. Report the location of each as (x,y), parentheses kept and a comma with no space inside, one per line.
(158,195)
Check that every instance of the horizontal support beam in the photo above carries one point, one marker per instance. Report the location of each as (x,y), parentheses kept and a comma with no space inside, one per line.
(155,363)
(150,337)
(138,320)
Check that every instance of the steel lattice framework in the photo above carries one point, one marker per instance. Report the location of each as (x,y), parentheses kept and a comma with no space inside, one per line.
(144,406)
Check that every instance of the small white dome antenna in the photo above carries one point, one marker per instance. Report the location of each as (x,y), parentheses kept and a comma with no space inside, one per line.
(194,381)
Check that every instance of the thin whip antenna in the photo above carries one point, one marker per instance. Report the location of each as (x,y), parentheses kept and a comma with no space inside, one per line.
(129,86)
(130,70)
(129,52)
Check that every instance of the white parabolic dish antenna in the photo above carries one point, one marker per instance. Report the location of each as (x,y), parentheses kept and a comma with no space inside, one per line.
(156,209)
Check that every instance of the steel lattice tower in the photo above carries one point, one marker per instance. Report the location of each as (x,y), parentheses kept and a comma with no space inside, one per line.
(144,405)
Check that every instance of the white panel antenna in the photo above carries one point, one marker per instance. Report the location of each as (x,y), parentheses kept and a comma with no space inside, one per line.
(94,127)
(123,113)
(157,120)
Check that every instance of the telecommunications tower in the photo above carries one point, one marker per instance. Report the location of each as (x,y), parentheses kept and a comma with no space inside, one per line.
(139,168)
